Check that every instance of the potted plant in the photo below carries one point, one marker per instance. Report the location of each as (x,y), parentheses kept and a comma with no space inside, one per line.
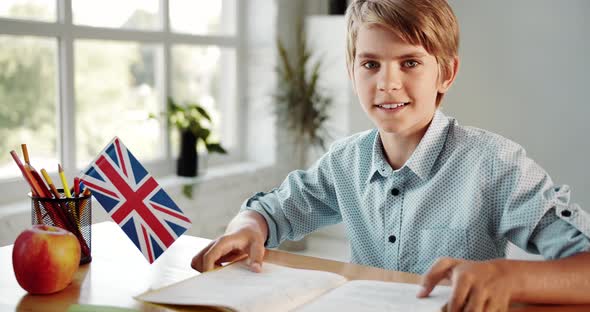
(300,105)
(194,123)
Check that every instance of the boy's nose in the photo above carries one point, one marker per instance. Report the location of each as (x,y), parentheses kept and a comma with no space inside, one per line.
(389,81)
(387,87)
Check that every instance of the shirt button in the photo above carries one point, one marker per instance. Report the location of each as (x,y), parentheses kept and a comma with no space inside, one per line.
(566,213)
(395,192)
(392,239)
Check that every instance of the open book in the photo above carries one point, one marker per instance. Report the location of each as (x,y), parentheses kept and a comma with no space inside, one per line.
(279,288)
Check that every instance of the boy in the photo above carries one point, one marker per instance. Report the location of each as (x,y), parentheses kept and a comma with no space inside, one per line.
(421,193)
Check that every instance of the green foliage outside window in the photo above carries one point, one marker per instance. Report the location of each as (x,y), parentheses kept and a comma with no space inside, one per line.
(28,96)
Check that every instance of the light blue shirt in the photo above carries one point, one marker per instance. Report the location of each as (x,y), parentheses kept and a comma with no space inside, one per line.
(464,193)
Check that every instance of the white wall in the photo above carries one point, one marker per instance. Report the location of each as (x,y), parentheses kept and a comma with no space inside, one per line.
(326,36)
(524,75)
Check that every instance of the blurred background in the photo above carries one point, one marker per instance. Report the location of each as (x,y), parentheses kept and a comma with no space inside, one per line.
(75,73)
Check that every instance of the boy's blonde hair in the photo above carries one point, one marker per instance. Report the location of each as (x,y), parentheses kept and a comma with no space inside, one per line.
(428,23)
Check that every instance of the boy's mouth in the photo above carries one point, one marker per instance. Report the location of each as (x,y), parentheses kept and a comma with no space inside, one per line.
(392,106)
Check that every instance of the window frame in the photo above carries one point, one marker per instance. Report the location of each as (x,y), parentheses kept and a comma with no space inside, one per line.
(65,32)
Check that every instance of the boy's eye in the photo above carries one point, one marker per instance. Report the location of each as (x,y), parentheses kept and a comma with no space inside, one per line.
(410,63)
(370,65)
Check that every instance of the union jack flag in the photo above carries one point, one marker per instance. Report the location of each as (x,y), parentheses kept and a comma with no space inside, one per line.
(134,200)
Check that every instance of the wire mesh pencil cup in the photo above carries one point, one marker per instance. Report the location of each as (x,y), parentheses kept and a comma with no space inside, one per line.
(72,214)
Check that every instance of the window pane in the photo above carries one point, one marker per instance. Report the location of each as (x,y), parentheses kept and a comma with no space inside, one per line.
(203,17)
(133,14)
(28,101)
(43,10)
(207,75)
(115,92)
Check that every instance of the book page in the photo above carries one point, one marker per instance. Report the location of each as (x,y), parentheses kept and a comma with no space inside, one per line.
(235,287)
(361,296)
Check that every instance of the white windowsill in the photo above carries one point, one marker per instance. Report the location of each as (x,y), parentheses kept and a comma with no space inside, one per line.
(210,174)
(214,173)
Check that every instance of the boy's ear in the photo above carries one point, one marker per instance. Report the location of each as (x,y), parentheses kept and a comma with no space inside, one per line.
(448,81)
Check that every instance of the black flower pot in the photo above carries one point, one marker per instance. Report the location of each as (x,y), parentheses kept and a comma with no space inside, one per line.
(188,161)
(337,7)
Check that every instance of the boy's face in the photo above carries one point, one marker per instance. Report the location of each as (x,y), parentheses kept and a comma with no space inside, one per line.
(397,83)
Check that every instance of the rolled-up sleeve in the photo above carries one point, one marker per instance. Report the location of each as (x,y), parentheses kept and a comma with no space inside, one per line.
(535,214)
(564,230)
(304,202)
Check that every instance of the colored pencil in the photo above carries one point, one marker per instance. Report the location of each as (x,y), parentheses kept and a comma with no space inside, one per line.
(64,181)
(86,192)
(59,210)
(42,189)
(52,187)
(35,188)
(56,194)
(25,153)
(32,184)
(76,187)
(38,187)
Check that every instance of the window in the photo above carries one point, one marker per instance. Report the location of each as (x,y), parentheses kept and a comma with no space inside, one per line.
(116,77)
(206,73)
(129,14)
(38,10)
(28,100)
(202,22)
(75,73)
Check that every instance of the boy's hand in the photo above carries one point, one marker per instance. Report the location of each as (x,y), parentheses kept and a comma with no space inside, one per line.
(477,286)
(244,237)
(231,247)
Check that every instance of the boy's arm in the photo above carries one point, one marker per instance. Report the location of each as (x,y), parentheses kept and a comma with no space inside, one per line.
(564,280)
(529,210)
(305,201)
(491,285)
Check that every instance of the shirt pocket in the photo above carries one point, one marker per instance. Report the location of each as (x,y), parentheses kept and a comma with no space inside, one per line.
(435,243)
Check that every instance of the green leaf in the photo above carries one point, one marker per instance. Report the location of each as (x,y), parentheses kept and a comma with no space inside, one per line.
(172,107)
(187,190)
(286,66)
(203,112)
(202,134)
(215,148)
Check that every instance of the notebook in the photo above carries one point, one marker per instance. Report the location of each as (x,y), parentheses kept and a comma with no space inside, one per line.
(280,288)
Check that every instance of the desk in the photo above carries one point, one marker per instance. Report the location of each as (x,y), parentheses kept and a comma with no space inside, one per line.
(118,272)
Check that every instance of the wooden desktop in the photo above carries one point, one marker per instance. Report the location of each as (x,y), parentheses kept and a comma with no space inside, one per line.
(118,272)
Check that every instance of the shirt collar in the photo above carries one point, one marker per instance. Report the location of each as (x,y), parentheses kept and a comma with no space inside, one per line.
(423,157)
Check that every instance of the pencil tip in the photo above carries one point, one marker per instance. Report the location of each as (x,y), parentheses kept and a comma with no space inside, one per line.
(59,168)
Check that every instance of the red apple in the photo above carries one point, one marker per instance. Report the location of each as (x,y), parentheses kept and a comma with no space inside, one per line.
(45,259)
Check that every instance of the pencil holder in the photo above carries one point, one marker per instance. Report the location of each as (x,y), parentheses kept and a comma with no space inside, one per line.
(72,214)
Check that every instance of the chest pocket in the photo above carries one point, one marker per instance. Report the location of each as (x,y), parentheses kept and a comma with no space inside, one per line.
(440,242)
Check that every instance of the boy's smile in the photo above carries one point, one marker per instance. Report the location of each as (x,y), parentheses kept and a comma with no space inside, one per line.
(396,82)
